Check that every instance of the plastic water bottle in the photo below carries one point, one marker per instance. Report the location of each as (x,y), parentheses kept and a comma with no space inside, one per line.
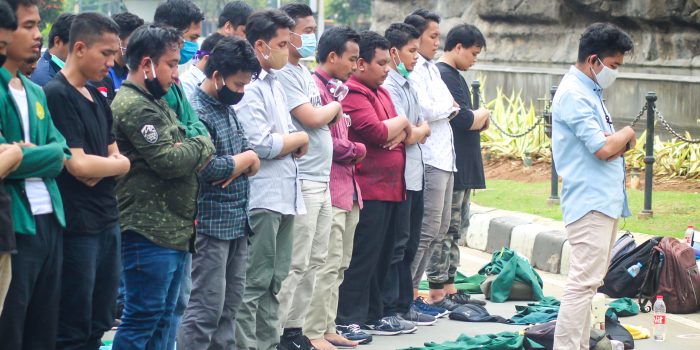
(659,319)
(634,269)
(689,235)
(617,345)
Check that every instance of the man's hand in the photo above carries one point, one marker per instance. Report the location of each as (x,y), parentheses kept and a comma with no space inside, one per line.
(395,141)
(301,151)
(26,144)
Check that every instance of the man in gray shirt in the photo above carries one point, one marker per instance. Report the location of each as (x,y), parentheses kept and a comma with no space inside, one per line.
(312,230)
(398,286)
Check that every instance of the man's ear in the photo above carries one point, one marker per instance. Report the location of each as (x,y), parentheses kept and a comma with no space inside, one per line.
(332,57)
(361,64)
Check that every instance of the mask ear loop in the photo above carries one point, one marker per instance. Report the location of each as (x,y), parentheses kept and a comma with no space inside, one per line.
(153,70)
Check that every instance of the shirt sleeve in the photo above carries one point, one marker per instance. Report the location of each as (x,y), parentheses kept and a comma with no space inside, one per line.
(220,166)
(465,117)
(66,116)
(152,136)
(253,116)
(293,89)
(364,119)
(580,116)
(432,106)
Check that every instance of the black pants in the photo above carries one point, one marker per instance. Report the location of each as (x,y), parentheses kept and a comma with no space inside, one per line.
(91,270)
(398,285)
(360,297)
(30,316)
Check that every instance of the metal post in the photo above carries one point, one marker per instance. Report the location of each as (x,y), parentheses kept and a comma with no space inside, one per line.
(649,157)
(554,180)
(476,90)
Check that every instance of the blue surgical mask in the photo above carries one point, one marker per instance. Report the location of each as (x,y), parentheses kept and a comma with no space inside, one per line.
(308,45)
(187,51)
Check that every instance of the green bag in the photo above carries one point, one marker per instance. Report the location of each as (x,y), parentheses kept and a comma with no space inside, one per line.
(499,341)
(509,268)
(469,284)
(544,311)
(623,307)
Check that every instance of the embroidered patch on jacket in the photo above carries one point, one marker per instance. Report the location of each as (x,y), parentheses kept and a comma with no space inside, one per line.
(150,134)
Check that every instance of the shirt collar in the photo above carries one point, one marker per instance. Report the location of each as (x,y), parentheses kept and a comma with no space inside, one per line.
(197,73)
(323,74)
(264,74)
(209,99)
(585,80)
(396,77)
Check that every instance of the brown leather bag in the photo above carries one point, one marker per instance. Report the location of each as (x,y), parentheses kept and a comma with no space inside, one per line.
(679,278)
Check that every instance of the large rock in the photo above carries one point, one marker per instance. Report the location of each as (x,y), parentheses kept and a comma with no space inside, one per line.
(665,32)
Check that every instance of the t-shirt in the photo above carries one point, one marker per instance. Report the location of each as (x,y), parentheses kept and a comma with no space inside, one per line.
(300,88)
(37,193)
(470,167)
(88,125)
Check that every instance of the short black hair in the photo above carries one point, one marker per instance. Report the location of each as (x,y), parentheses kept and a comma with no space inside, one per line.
(420,19)
(14,4)
(152,41)
(127,22)
(263,25)
(297,10)
(399,34)
(61,28)
(236,12)
(210,42)
(369,42)
(230,56)
(335,40)
(88,27)
(466,34)
(7,17)
(178,13)
(604,40)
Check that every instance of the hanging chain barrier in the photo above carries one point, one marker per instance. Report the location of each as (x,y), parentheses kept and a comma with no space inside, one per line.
(503,130)
(668,127)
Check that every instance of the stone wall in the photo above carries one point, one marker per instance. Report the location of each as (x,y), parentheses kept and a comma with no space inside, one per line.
(665,32)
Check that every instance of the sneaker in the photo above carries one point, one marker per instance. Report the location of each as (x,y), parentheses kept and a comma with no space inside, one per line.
(464,298)
(425,308)
(420,319)
(296,341)
(407,327)
(354,333)
(446,304)
(385,326)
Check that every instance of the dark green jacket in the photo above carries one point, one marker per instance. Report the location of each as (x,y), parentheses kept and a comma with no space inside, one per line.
(157,198)
(45,160)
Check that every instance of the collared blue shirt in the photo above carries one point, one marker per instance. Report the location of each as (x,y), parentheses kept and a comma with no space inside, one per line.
(578,132)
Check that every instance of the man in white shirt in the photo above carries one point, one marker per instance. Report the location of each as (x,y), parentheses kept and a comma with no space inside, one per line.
(437,108)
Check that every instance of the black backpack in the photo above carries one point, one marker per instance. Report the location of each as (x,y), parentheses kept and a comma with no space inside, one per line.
(623,246)
(618,283)
(543,335)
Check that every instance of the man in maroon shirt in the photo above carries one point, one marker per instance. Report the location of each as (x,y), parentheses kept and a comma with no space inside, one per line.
(381,176)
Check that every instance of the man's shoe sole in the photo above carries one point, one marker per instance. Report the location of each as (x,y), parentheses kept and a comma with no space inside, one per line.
(425,323)
(378,332)
(409,331)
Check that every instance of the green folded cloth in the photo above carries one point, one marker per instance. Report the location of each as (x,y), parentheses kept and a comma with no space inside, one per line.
(469,284)
(544,311)
(499,341)
(623,307)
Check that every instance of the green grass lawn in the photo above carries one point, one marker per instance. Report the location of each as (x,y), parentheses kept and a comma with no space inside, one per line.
(673,211)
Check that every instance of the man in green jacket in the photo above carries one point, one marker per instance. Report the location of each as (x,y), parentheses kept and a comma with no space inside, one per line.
(157,198)
(30,316)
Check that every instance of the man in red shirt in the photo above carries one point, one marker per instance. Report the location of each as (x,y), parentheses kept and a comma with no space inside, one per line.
(381,177)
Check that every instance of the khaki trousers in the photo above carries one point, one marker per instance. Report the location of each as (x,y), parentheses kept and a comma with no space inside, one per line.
(5,276)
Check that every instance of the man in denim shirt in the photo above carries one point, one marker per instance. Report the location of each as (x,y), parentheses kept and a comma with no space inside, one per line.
(588,155)
(219,263)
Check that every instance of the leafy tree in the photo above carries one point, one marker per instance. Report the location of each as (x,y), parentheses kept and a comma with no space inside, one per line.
(353,13)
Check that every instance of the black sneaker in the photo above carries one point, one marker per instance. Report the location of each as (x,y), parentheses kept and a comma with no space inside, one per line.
(407,327)
(464,298)
(295,341)
(446,304)
(385,326)
(354,333)
(420,319)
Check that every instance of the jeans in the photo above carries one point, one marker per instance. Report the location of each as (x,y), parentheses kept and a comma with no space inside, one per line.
(91,269)
(182,300)
(152,277)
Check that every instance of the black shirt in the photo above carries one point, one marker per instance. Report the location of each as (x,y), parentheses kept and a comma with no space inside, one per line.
(470,167)
(7,234)
(86,125)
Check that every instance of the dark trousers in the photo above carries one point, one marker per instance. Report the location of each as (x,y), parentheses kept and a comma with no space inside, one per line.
(91,270)
(360,297)
(30,316)
(398,285)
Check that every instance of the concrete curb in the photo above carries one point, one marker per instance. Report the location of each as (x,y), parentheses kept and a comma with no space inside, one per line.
(541,240)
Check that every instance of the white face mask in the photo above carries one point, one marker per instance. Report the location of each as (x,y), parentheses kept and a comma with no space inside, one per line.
(606,77)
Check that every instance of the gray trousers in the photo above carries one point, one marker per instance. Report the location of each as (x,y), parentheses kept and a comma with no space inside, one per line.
(218,281)
(257,323)
(437,204)
(445,256)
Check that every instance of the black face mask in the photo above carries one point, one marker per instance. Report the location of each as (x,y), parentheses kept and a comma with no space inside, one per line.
(153,85)
(227,96)
(2,59)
